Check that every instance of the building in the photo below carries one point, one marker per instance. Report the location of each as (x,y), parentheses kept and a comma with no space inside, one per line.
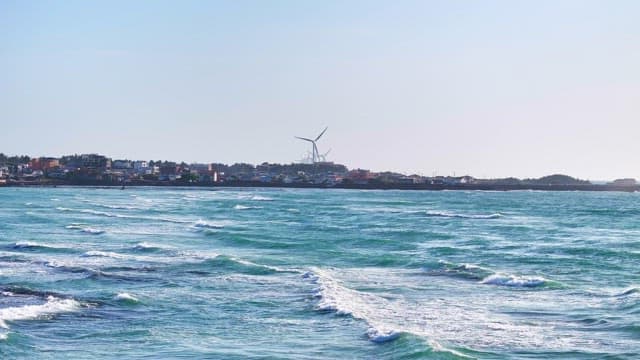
(122,164)
(43,163)
(624,182)
(169,171)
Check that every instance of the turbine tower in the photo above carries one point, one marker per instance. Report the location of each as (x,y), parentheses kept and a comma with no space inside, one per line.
(315,154)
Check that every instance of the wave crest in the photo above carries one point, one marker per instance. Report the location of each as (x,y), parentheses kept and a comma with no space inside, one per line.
(514,280)
(52,306)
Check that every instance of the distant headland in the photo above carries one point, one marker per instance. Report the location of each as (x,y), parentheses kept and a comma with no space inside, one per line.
(100,170)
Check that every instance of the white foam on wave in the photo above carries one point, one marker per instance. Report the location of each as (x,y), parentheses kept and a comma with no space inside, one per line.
(260,198)
(86,229)
(208,225)
(514,280)
(442,321)
(53,306)
(119,256)
(126,297)
(150,246)
(249,263)
(33,244)
(60,208)
(244,207)
(335,297)
(110,254)
(463,216)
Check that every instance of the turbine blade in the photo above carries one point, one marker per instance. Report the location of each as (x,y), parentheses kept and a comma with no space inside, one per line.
(301,138)
(322,133)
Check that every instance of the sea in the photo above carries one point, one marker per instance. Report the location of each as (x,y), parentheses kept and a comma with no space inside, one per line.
(257,273)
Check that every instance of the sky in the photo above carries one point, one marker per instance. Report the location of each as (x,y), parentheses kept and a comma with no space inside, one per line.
(485,88)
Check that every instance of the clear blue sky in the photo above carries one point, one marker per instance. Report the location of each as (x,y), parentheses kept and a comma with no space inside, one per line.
(487,88)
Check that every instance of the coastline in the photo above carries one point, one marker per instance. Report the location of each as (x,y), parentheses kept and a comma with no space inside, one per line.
(353,186)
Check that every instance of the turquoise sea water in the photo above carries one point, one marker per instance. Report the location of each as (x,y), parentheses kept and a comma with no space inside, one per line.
(311,274)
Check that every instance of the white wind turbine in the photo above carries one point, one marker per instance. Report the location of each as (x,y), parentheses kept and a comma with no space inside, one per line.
(315,155)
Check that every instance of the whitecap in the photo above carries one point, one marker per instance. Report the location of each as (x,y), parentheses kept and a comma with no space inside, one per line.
(126,297)
(207,225)
(149,246)
(380,336)
(244,207)
(115,255)
(93,231)
(53,306)
(32,244)
(260,198)
(110,254)
(86,229)
(514,280)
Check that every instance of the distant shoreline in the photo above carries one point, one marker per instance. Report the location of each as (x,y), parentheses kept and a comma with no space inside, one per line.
(257,184)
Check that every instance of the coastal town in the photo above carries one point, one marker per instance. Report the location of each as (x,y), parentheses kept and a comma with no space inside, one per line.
(100,170)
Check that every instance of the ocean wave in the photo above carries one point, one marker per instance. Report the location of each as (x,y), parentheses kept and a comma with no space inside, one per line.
(515,280)
(86,229)
(629,291)
(487,276)
(333,296)
(207,225)
(463,216)
(218,262)
(126,298)
(260,198)
(244,207)
(100,213)
(110,254)
(123,216)
(465,271)
(32,245)
(52,306)
(145,246)
(117,207)
(377,336)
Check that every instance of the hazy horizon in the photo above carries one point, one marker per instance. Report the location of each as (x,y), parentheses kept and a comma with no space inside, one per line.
(489,89)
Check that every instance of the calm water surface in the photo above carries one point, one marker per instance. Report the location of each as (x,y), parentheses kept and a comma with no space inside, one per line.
(308,274)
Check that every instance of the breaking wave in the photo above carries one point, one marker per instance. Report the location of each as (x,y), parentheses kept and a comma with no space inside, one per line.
(260,198)
(52,306)
(334,297)
(126,298)
(207,225)
(515,280)
(145,246)
(487,276)
(36,246)
(86,229)
(244,207)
